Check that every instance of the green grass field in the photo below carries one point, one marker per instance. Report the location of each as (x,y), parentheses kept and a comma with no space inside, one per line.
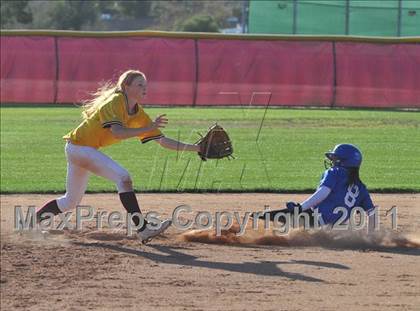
(286,157)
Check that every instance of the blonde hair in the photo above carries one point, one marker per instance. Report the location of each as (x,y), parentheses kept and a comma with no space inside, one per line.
(107,90)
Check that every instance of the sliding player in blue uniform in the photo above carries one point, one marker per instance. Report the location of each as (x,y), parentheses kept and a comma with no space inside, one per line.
(340,186)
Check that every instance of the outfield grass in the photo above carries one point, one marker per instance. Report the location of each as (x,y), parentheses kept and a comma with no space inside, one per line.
(288,155)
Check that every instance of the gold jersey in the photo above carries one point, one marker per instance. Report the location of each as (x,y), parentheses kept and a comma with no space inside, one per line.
(95,131)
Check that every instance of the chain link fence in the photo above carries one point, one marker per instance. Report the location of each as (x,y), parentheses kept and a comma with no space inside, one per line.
(336,17)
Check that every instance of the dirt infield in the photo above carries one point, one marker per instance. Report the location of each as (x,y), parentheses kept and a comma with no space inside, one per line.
(105,269)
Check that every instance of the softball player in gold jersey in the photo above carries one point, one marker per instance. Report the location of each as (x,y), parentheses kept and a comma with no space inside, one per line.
(112,115)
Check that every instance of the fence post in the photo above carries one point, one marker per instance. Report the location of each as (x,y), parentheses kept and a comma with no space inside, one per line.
(57,69)
(195,83)
(347,19)
(399,18)
(295,8)
(245,12)
(334,95)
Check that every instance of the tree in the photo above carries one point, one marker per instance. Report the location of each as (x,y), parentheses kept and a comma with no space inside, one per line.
(171,15)
(199,23)
(72,14)
(117,14)
(15,11)
(134,8)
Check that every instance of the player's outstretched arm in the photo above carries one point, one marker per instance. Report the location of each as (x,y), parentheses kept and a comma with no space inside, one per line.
(173,144)
(319,195)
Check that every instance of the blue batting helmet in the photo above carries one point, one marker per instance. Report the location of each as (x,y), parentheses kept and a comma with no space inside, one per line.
(345,155)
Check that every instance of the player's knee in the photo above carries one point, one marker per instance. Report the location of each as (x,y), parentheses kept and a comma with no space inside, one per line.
(125,183)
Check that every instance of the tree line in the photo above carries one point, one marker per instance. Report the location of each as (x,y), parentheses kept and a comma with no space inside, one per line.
(97,15)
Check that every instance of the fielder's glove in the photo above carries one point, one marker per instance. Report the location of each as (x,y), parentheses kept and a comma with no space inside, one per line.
(215,144)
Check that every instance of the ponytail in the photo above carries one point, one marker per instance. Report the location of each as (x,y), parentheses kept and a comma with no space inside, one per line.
(353,175)
(107,90)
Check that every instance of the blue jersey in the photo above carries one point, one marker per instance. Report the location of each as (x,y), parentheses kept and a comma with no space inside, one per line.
(342,195)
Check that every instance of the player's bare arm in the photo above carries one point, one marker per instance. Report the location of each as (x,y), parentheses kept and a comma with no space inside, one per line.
(173,144)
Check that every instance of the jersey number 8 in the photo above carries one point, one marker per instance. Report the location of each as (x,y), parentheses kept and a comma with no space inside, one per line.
(351,195)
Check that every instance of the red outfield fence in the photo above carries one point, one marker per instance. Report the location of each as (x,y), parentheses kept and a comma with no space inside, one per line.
(197,69)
